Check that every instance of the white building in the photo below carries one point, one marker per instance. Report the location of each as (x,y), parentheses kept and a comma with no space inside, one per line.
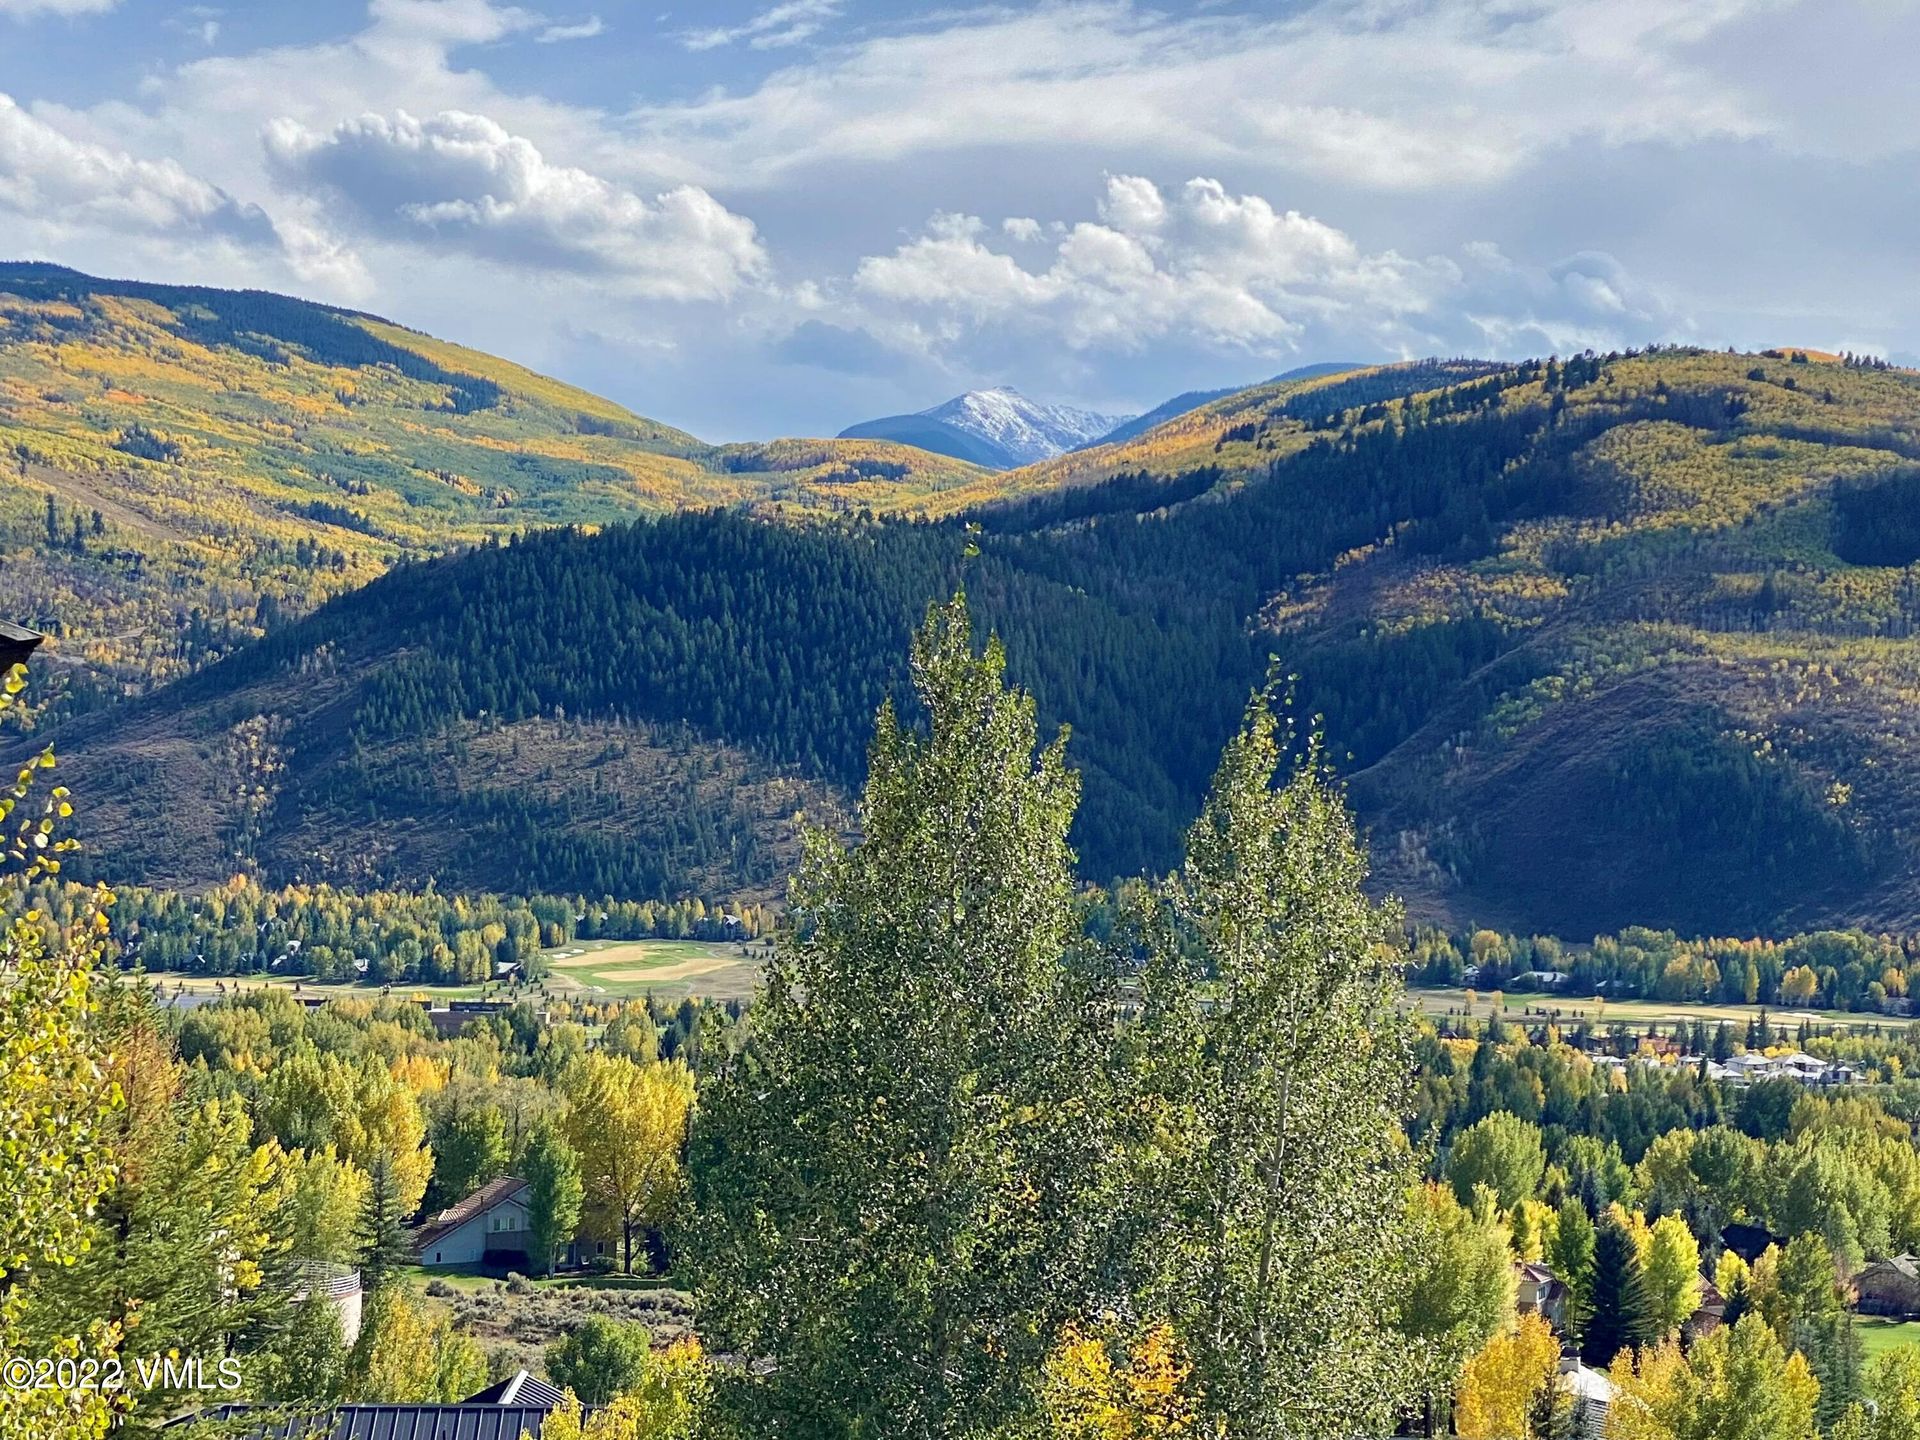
(1794,1065)
(491,1225)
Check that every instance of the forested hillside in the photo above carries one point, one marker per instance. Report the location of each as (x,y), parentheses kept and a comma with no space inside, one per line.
(184,467)
(1610,641)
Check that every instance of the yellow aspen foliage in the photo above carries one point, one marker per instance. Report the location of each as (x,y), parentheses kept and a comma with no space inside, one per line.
(409,1353)
(59,1098)
(1735,1384)
(665,1405)
(1729,1271)
(629,1124)
(1089,1397)
(1649,1393)
(1501,1386)
(420,1074)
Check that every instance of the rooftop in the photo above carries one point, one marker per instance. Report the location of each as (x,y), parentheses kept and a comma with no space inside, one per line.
(478,1203)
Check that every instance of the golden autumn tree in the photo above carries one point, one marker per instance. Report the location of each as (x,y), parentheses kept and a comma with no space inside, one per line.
(628,1123)
(1737,1383)
(666,1404)
(1501,1387)
(1145,1396)
(57,1100)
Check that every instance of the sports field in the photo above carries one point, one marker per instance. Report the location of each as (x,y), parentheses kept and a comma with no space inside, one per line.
(669,969)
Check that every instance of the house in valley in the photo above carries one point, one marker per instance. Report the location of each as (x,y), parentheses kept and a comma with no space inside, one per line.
(1889,1287)
(489,1227)
(1539,1291)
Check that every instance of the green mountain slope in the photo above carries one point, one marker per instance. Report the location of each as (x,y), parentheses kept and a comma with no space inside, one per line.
(1623,640)
(183,465)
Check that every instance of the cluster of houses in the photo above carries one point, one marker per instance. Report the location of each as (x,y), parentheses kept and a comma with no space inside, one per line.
(1741,1070)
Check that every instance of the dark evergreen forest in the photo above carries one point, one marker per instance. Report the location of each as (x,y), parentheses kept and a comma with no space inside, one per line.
(1125,607)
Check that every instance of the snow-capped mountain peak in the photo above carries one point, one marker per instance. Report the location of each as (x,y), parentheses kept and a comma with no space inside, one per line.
(1025,429)
(998,427)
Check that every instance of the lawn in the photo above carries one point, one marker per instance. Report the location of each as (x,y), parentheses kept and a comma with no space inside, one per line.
(1879,1335)
(669,969)
(1637,1012)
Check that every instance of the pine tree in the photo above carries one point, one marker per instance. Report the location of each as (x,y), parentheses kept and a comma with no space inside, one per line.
(1621,1314)
(1571,1259)
(1834,1354)
(1739,1300)
(382,1230)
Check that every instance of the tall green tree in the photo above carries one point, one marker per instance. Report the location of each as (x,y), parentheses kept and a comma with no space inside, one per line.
(1283,1067)
(600,1359)
(1460,1292)
(383,1226)
(468,1150)
(1621,1314)
(897,1192)
(1570,1256)
(554,1193)
(1671,1266)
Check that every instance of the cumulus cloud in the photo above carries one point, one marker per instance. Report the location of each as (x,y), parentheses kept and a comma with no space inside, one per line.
(76,184)
(1206,267)
(772,29)
(462,180)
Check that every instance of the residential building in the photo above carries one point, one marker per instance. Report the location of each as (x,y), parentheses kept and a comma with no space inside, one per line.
(489,1227)
(1539,1291)
(506,1410)
(1889,1287)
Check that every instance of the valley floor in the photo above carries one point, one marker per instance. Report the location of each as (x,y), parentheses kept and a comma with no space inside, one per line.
(1571,1011)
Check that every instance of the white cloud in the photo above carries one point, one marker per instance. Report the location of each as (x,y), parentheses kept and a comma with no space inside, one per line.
(70,183)
(581,30)
(772,29)
(1204,267)
(462,180)
(1393,94)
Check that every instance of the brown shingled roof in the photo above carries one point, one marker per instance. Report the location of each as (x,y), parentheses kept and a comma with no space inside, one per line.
(478,1203)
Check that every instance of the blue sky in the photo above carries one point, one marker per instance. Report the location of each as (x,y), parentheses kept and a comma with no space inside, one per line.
(752,219)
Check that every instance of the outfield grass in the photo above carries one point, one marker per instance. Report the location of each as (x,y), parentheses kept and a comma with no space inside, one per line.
(669,969)
(1636,1012)
(1879,1335)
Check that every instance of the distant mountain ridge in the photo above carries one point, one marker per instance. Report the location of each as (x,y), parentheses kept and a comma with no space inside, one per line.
(1191,400)
(999,428)
(1597,642)
(189,466)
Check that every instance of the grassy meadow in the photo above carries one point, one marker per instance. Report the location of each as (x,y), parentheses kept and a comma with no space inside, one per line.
(1570,1011)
